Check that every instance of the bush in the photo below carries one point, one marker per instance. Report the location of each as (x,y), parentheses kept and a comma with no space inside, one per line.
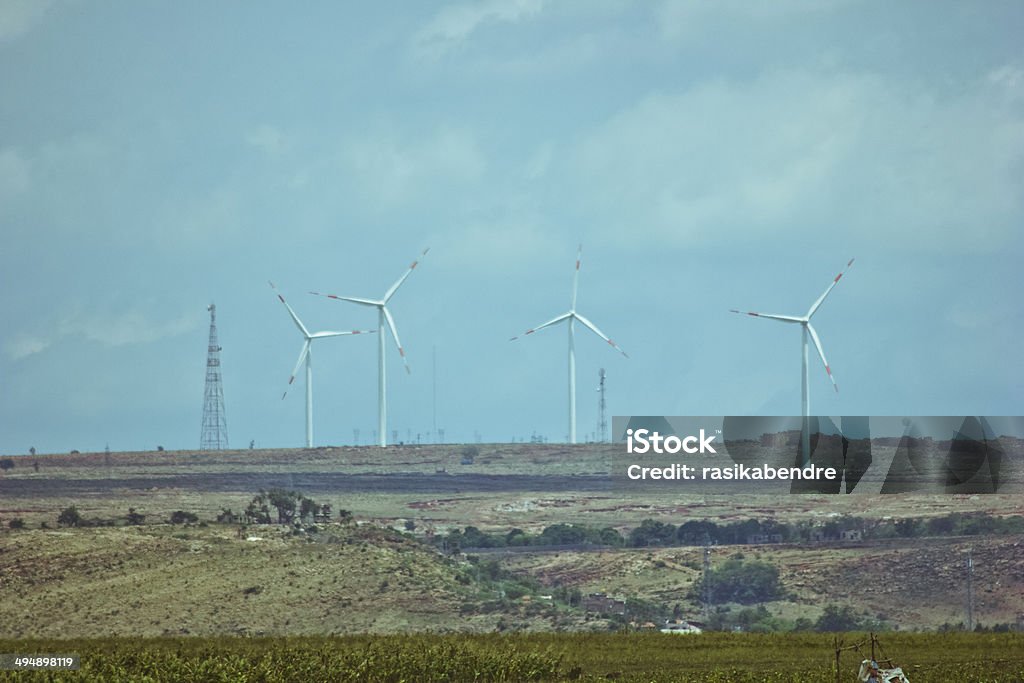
(16,523)
(69,516)
(134,518)
(182,517)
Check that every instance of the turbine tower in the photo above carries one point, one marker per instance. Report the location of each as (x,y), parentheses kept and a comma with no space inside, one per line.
(572,316)
(602,419)
(383,315)
(807,329)
(307,355)
(214,435)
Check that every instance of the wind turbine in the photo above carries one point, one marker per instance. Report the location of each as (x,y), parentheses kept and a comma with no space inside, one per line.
(383,314)
(307,355)
(807,329)
(572,316)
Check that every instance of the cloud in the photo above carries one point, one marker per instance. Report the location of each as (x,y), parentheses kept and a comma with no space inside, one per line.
(798,152)
(455,24)
(396,170)
(267,138)
(683,20)
(14,174)
(17,17)
(107,329)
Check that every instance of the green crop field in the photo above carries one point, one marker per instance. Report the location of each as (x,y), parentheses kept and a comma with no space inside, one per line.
(732,658)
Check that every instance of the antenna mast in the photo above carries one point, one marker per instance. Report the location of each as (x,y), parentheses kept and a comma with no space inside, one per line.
(602,418)
(215,424)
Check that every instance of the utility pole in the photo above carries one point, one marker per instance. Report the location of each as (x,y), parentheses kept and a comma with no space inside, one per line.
(434,360)
(214,435)
(707,581)
(602,419)
(970,589)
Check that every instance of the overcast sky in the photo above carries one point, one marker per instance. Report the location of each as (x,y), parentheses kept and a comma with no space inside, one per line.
(157,156)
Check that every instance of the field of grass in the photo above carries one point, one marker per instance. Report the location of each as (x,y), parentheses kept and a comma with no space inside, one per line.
(635,658)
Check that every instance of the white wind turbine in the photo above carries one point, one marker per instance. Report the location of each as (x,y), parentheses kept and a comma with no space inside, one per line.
(307,355)
(807,329)
(383,314)
(572,316)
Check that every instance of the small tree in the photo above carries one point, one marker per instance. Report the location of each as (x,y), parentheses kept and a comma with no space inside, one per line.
(307,508)
(182,517)
(6,464)
(69,516)
(16,523)
(345,516)
(836,618)
(226,516)
(134,518)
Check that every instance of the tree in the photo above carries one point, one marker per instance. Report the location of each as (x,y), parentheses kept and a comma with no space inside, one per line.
(134,518)
(258,512)
(307,508)
(345,516)
(182,517)
(836,618)
(651,532)
(69,516)
(226,516)
(285,502)
(743,582)
(6,464)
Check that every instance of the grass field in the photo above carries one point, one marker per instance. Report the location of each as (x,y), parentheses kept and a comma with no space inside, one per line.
(650,658)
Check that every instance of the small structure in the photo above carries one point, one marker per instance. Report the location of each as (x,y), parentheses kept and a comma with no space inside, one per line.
(680,627)
(602,604)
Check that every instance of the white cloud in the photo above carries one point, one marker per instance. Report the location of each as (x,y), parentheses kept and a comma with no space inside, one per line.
(797,152)
(109,329)
(394,171)
(17,17)
(14,174)
(682,20)
(267,138)
(487,248)
(454,24)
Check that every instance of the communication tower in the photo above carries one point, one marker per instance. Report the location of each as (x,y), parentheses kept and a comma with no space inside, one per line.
(214,436)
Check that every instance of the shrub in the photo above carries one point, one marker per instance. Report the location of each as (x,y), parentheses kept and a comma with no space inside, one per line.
(69,516)
(182,517)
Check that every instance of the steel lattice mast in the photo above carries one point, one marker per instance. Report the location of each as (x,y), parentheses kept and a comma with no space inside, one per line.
(215,424)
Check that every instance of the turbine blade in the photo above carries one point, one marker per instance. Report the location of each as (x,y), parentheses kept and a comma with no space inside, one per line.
(302,357)
(398,283)
(576,276)
(770,316)
(821,353)
(599,333)
(355,300)
(321,335)
(394,333)
(541,327)
(817,304)
(298,323)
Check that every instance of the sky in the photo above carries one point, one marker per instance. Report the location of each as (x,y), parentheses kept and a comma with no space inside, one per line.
(159,156)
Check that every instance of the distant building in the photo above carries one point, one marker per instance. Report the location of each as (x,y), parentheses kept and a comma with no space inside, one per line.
(600,603)
(758,539)
(680,627)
